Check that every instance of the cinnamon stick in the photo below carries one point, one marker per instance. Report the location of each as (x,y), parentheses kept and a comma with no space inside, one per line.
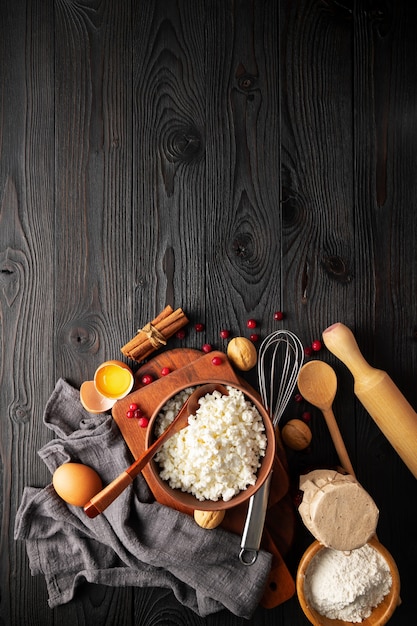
(155,334)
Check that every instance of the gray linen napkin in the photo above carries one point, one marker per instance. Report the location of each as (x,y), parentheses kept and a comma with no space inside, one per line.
(136,541)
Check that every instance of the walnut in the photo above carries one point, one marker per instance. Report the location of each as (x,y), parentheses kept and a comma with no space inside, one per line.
(242,353)
(296,434)
(209,519)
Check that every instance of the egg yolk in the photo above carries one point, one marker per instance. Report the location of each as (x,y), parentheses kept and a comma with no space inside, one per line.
(113,381)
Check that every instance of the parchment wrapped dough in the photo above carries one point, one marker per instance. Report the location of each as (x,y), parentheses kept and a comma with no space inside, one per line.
(337,510)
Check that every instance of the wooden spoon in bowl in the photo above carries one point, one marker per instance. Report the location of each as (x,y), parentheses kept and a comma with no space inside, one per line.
(106,496)
(317,383)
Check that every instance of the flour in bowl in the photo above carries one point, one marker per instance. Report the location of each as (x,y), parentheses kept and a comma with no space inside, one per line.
(347,586)
(219,453)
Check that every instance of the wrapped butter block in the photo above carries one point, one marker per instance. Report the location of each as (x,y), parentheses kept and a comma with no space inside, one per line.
(337,510)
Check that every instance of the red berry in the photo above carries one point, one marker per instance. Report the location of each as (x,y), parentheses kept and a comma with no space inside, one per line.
(298,397)
(147,379)
(278,315)
(133,406)
(165,371)
(217,360)
(316,345)
(306,416)
(298,498)
(180,334)
(137,414)
(143,421)
(206,348)
(199,327)
(254,337)
(130,414)
(251,323)
(308,350)
(224,334)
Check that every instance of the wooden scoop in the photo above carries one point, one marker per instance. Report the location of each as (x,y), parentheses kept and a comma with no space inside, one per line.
(317,383)
(106,496)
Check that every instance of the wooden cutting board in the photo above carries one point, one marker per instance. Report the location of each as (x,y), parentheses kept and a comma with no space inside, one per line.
(191,367)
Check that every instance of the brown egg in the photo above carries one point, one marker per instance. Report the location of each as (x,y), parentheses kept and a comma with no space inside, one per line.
(76,483)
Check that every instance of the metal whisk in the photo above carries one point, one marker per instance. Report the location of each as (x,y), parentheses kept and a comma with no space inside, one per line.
(281,349)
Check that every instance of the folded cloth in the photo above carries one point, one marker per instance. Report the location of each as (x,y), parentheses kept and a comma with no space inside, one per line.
(136,541)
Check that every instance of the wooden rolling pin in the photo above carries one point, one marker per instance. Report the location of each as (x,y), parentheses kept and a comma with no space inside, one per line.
(379,395)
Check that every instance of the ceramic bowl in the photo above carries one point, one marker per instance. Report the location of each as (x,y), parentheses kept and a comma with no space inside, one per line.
(187,500)
(380,614)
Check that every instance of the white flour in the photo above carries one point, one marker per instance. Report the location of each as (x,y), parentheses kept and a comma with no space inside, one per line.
(347,586)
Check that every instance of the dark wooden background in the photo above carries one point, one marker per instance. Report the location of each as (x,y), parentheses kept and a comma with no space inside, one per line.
(229,157)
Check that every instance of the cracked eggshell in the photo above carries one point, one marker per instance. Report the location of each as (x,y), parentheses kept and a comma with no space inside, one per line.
(93,401)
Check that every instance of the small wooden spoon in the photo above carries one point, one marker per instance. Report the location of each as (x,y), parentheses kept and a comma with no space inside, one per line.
(106,496)
(317,383)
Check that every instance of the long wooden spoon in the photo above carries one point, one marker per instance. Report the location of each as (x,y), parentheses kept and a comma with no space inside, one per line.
(317,383)
(106,496)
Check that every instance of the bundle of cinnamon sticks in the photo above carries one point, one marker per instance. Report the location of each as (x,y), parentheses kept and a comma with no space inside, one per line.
(155,334)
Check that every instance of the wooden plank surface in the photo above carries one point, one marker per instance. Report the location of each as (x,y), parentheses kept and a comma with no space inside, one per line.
(231,158)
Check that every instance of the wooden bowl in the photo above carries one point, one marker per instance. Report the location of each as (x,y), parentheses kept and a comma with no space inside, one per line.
(187,499)
(380,614)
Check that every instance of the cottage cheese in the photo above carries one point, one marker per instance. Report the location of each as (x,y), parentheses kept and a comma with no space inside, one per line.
(219,452)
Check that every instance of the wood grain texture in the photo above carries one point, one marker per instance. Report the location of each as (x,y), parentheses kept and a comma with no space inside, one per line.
(318,227)
(244,243)
(93,183)
(233,158)
(168,160)
(26,243)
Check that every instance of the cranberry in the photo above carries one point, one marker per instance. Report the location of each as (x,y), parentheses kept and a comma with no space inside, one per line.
(278,315)
(138,414)
(206,348)
(251,323)
(147,379)
(133,406)
(130,414)
(165,371)
(217,360)
(316,345)
(298,498)
(306,416)
(308,350)
(199,327)
(254,337)
(298,397)
(225,334)
(180,334)
(143,421)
